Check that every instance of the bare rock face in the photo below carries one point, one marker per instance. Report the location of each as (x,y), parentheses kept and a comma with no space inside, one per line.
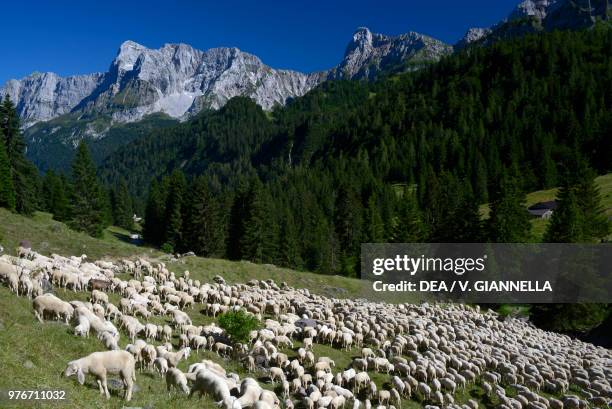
(175,79)
(472,36)
(370,53)
(43,96)
(180,80)
(532,16)
(531,8)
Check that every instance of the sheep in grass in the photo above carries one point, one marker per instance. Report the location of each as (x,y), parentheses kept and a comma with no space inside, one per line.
(161,365)
(100,364)
(176,379)
(82,329)
(51,304)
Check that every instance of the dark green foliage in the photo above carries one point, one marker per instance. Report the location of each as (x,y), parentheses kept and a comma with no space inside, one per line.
(122,208)
(569,318)
(56,191)
(311,181)
(408,227)
(88,200)
(289,245)
(153,229)
(238,324)
(24,174)
(579,217)
(509,220)
(7,190)
(260,239)
(174,210)
(202,221)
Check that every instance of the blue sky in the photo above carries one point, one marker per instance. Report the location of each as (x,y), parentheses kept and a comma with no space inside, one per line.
(76,37)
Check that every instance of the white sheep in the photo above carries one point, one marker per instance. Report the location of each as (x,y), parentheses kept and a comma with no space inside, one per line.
(174,358)
(161,365)
(99,364)
(50,303)
(177,379)
(82,329)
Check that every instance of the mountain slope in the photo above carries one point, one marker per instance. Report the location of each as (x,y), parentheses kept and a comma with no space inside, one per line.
(44,96)
(370,53)
(518,103)
(533,16)
(176,79)
(179,81)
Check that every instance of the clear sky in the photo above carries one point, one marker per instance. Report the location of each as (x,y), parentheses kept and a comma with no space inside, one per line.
(76,37)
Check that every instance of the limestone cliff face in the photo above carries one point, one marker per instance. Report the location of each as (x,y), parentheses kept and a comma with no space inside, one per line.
(532,16)
(370,53)
(43,96)
(180,80)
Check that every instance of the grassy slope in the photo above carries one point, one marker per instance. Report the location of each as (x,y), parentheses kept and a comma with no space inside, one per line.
(49,236)
(539,225)
(35,361)
(32,355)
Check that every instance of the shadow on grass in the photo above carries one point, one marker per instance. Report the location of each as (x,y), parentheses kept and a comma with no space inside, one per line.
(127,239)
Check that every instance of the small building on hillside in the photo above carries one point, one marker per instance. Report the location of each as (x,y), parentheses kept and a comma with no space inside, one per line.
(542,210)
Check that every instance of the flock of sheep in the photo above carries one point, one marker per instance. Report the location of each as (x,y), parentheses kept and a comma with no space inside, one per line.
(429,353)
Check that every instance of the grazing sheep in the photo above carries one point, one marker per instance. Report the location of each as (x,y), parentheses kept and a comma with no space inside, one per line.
(176,378)
(82,329)
(276,374)
(161,365)
(424,391)
(109,340)
(174,358)
(99,364)
(98,296)
(52,304)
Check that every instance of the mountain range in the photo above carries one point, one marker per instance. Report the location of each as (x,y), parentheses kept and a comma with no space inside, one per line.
(177,81)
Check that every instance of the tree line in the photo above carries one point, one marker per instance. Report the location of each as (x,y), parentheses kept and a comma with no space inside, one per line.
(79,199)
(408,158)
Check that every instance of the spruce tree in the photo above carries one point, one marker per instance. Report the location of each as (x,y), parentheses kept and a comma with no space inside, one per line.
(374,223)
(579,216)
(509,220)
(289,246)
(88,201)
(55,196)
(596,226)
(408,226)
(155,210)
(24,174)
(7,191)
(236,224)
(259,242)
(202,232)
(174,210)
(122,206)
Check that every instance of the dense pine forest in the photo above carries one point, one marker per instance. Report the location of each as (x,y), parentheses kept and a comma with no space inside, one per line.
(407,158)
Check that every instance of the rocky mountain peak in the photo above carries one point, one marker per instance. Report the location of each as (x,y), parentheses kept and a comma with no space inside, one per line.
(128,54)
(531,8)
(362,39)
(369,53)
(471,36)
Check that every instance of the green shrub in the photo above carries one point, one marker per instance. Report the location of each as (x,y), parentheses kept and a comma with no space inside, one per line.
(167,248)
(569,318)
(238,324)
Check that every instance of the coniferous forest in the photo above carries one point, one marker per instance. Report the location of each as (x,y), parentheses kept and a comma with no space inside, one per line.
(407,158)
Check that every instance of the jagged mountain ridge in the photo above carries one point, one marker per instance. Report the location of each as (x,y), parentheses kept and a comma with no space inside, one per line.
(532,16)
(370,53)
(176,79)
(180,81)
